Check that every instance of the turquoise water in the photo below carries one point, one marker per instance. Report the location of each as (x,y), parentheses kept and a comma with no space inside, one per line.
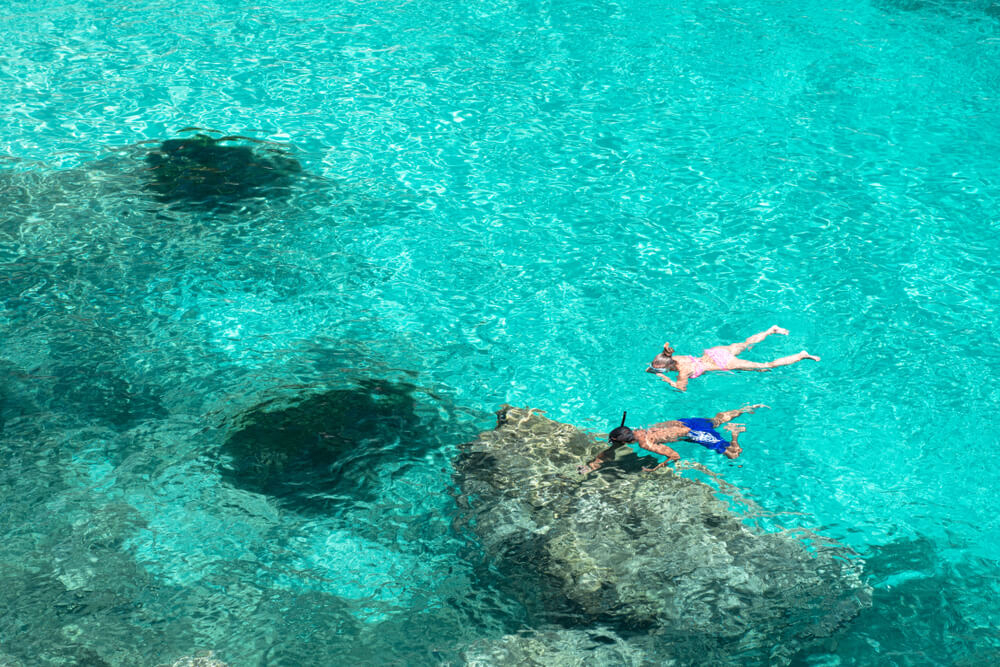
(509,202)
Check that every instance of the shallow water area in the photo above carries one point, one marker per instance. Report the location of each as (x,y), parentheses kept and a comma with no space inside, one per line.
(499,203)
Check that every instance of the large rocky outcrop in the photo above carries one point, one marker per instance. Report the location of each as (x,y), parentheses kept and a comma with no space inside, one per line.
(647,554)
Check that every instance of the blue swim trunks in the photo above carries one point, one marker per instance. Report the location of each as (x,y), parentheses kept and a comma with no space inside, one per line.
(704,433)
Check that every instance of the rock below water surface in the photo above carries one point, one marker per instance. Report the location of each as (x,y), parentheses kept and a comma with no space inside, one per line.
(204,172)
(326,450)
(656,556)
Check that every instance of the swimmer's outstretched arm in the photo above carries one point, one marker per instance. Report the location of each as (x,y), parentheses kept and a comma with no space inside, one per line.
(680,385)
(644,441)
(598,461)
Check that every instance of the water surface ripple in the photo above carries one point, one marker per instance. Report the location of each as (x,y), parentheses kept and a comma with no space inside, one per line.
(506,202)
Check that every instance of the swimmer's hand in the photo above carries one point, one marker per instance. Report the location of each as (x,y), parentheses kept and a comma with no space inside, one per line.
(587,468)
(673,384)
(663,463)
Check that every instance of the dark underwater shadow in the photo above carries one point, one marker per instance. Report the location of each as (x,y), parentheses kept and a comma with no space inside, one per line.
(220,174)
(193,173)
(82,379)
(199,183)
(328,450)
(953,8)
(926,609)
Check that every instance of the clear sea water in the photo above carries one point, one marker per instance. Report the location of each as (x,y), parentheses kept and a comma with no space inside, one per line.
(510,202)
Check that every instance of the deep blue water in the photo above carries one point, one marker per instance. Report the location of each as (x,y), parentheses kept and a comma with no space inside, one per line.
(503,202)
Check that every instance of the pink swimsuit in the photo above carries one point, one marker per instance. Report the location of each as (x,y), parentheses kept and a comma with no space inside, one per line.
(720,356)
(699,367)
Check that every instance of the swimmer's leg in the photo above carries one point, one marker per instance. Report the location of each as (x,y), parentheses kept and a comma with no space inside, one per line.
(742,365)
(736,348)
(729,415)
(793,359)
(734,450)
(738,364)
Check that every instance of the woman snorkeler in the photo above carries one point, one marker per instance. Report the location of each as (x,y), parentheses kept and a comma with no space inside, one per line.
(721,358)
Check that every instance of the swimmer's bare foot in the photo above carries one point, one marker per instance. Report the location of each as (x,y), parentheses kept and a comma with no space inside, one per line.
(775,329)
(733,451)
(806,355)
(750,409)
(735,428)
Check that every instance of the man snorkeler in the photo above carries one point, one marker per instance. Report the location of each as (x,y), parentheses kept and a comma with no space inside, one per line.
(701,431)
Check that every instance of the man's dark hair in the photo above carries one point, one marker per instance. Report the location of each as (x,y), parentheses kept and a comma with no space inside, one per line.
(622,434)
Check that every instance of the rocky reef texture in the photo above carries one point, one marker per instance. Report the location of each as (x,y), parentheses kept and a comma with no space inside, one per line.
(645,554)
(560,647)
(205,172)
(202,660)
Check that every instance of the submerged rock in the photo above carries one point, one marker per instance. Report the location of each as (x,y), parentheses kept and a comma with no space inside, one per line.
(327,449)
(559,647)
(650,553)
(205,172)
(916,604)
(206,659)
